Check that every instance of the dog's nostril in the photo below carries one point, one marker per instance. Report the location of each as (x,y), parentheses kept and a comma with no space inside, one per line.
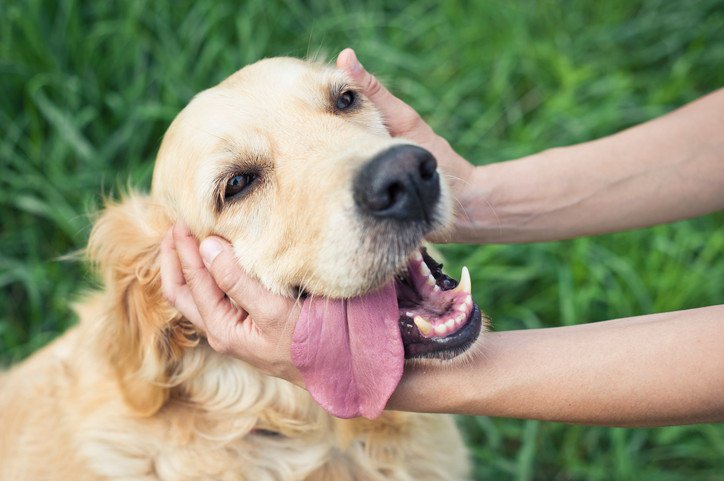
(428,167)
(385,198)
(394,191)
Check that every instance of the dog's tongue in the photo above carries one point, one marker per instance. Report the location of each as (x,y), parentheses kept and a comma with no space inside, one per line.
(350,352)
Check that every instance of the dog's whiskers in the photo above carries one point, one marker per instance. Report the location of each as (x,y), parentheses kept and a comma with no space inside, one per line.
(464,211)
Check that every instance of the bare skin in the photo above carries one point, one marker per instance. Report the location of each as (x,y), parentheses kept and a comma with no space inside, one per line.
(652,370)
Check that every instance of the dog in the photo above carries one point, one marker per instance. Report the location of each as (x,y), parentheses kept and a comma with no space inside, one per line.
(294,166)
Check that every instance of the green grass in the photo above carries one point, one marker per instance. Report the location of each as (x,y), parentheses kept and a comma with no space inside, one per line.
(88,89)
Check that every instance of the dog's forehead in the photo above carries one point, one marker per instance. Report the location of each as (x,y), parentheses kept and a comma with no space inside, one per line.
(280,75)
(273,97)
(277,86)
(262,96)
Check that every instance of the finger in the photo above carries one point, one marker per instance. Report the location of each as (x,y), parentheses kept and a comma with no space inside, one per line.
(219,316)
(173,284)
(401,118)
(246,291)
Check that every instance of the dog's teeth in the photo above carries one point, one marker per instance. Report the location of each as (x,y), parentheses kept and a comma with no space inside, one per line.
(459,319)
(463,307)
(423,325)
(409,314)
(450,324)
(430,281)
(416,256)
(468,300)
(440,329)
(436,288)
(465,284)
(424,270)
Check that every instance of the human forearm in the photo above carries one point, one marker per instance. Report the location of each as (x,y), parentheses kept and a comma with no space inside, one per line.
(665,170)
(646,371)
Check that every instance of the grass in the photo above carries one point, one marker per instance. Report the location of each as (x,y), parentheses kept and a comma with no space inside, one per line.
(89,88)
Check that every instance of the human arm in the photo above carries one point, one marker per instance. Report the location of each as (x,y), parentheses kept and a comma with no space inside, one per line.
(668,169)
(643,371)
(653,370)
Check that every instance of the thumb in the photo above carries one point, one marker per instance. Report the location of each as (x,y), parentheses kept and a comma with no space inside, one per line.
(246,291)
(217,317)
(401,119)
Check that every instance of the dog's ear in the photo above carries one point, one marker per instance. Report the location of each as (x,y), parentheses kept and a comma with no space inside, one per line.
(142,334)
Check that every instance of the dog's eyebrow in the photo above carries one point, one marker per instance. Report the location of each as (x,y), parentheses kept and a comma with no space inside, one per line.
(337,86)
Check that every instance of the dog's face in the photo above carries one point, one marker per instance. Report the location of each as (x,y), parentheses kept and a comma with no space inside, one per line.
(270,160)
(291,164)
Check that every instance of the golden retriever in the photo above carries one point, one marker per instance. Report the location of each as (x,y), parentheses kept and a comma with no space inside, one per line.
(292,165)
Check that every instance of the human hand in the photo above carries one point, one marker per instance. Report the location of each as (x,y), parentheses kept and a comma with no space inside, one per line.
(238,316)
(403,121)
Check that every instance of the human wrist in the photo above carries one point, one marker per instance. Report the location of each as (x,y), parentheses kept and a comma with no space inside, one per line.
(459,386)
(500,199)
(475,218)
(455,168)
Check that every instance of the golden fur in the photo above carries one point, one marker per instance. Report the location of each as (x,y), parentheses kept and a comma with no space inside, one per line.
(134,393)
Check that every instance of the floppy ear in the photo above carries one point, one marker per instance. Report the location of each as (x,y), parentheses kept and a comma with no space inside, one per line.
(141,333)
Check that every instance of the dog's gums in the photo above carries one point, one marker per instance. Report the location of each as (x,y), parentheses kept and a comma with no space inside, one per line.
(438,318)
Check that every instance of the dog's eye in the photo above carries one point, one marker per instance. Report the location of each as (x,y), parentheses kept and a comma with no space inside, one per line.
(237,184)
(266,433)
(345,100)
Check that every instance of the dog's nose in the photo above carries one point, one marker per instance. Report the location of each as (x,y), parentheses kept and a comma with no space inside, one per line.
(399,183)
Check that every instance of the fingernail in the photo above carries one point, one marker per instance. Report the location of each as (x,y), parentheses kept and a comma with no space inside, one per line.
(210,248)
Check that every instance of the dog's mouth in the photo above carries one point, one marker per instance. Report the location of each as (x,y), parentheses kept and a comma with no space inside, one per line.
(351,352)
(438,318)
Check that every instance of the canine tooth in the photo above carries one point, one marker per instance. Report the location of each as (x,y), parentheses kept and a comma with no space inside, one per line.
(465,284)
(424,270)
(423,325)
(416,256)
(430,281)
(440,329)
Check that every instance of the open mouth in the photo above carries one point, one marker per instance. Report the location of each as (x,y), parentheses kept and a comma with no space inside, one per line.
(351,352)
(438,318)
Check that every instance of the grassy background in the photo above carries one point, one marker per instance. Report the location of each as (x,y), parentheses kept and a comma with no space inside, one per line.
(88,89)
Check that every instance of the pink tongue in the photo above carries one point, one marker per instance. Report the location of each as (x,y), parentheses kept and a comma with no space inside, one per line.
(350,352)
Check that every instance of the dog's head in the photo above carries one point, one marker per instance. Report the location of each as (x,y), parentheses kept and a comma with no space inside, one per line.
(293,165)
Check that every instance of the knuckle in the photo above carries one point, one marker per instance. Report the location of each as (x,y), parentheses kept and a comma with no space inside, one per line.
(168,293)
(191,275)
(410,119)
(413,118)
(216,344)
(373,87)
(225,276)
